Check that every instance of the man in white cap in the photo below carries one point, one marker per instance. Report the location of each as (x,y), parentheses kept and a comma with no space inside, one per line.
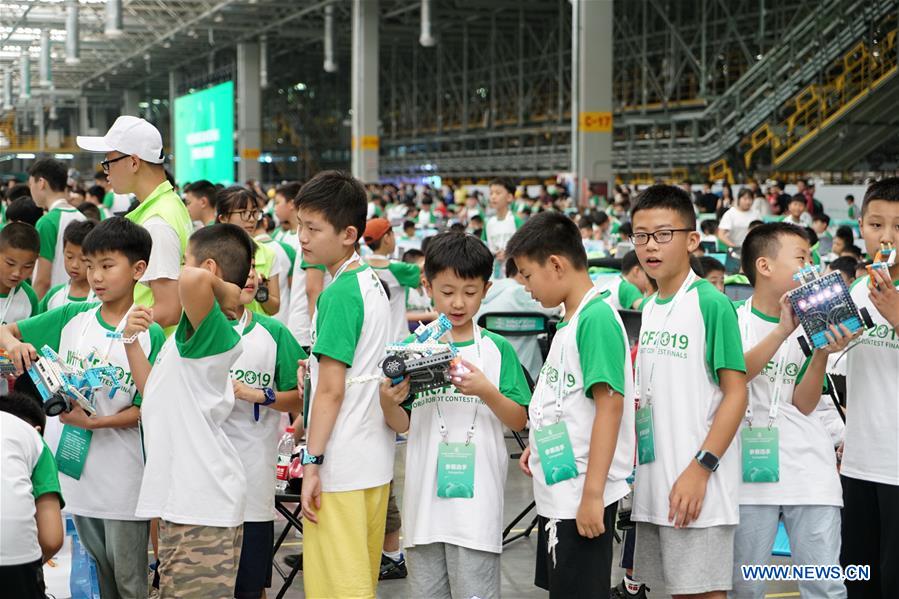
(133,164)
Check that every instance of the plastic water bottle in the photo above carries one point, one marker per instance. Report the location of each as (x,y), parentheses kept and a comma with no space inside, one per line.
(285,449)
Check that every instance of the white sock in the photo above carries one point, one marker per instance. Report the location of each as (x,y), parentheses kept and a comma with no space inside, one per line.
(631,585)
(394,555)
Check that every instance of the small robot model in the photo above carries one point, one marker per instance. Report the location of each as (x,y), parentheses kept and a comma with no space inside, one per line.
(7,368)
(883,260)
(424,359)
(821,301)
(61,385)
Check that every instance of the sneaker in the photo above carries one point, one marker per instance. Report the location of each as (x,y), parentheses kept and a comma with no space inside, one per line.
(291,560)
(620,592)
(391,570)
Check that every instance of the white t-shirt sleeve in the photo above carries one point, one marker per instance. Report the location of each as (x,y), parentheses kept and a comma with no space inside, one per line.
(165,257)
(727,220)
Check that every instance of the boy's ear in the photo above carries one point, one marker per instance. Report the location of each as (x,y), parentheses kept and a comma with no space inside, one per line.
(138,269)
(426,285)
(556,263)
(487,286)
(693,238)
(351,236)
(762,266)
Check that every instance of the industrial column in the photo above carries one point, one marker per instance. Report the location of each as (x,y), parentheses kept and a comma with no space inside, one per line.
(249,112)
(591,96)
(365,141)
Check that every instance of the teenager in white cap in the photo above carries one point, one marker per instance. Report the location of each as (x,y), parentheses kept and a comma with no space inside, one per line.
(133,164)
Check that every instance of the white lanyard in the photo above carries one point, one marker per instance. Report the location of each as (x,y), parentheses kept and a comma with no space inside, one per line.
(355,257)
(241,324)
(780,368)
(8,303)
(691,277)
(560,378)
(444,430)
(112,336)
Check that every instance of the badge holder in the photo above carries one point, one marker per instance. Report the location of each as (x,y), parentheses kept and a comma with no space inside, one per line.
(455,465)
(760,450)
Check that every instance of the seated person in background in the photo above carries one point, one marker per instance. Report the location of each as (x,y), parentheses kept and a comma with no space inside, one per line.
(23,210)
(627,291)
(709,230)
(713,272)
(509,295)
(796,214)
(847,266)
(735,222)
(418,305)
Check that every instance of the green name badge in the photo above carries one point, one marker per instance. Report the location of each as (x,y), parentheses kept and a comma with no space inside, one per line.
(761,463)
(72,450)
(455,470)
(556,454)
(646,446)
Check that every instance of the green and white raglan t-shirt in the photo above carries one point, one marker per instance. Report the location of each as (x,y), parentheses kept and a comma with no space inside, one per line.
(20,303)
(498,232)
(622,293)
(871,447)
(476,522)
(60,296)
(111,478)
(589,349)
(269,359)
(399,277)
(299,320)
(29,471)
(683,345)
(193,474)
(808,467)
(51,228)
(350,327)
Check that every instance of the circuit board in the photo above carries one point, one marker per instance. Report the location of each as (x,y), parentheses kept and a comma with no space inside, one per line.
(821,302)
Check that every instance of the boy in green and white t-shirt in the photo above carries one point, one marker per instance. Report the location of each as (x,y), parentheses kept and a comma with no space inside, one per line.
(348,462)
(798,479)
(628,290)
(47,180)
(193,480)
(581,442)
(264,378)
(77,289)
(19,247)
(500,227)
(100,456)
(453,523)
(691,389)
(398,276)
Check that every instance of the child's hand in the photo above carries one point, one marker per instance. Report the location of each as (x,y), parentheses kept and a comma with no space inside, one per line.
(589,517)
(77,417)
(838,338)
(788,319)
(247,393)
(687,494)
(311,493)
(302,367)
(22,355)
(474,382)
(139,320)
(394,395)
(884,296)
(523,461)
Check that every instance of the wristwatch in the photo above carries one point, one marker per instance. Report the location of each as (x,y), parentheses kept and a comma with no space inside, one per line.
(308,458)
(707,460)
(269,394)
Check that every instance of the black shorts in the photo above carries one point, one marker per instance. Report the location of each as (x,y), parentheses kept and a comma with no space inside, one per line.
(23,580)
(254,574)
(583,567)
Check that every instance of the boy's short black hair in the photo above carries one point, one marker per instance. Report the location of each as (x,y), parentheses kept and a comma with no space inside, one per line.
(203,189)
(850,197)
(845,233)
(408,224)
(339,197)
(20,236)
(18,191)
(289,190)
(708,226)
(847,265)
(823,218)
(478,218)
(710,265)
(411,255)
(854,250)
(76,231)
(585,223)
(118,234)
(798,199)
(629,261)
(25,407)
(764,240)
(547,234)
(52,171)
(511,269)
(229,246)
(812,236)
(24,210)
(886,190)
(668,197)
(504,182)
(625,229)
(90,211)
(97,191)
(464,254)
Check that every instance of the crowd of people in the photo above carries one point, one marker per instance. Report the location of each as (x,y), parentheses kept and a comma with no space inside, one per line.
(226,313)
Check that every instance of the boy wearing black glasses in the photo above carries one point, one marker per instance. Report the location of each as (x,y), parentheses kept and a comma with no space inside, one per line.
(691,391)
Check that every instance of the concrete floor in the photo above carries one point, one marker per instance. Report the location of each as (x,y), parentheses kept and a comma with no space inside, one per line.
(518,556)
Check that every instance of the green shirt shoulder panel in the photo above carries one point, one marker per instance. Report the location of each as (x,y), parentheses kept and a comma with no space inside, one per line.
(214,336)
(724,347)
(601,346)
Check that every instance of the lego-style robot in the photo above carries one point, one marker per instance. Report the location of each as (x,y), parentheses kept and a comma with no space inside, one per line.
(821,301)
(883,260)
(7,367)
(424,359)
(62,385)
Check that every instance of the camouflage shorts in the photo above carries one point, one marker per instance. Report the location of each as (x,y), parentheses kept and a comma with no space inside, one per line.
(198,561)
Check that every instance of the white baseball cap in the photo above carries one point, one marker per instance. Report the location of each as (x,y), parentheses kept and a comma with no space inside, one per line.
(128,135)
